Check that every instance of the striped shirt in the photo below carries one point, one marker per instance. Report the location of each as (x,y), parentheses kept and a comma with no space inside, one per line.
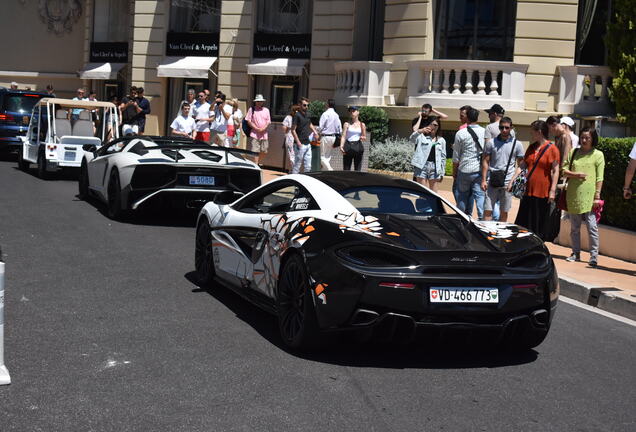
(465,151)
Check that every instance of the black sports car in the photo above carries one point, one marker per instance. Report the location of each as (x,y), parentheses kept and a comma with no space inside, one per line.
(345,250)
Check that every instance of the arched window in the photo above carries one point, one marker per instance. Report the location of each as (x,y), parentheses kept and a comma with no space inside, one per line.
(191,16)
(475,29)
(284,16)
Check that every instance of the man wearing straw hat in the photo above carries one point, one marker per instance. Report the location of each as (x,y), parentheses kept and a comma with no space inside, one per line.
(258,119)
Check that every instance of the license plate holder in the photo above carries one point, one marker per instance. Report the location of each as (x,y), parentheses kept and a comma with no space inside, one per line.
(69,156)
(201,180)
(463,295)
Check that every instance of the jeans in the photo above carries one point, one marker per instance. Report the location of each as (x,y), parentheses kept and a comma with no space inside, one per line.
(302,156)
(468,187)
(592,229)
(353,153)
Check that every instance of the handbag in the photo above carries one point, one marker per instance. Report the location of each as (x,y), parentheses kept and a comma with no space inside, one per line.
(336,142)
(562,198)
(521,182)
(245,125)
(498,177)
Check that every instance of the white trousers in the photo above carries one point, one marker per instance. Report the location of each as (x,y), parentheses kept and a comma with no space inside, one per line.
(326,150)
(302,156)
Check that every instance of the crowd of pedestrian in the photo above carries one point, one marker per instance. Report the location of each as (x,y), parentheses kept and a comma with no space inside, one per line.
(490,166)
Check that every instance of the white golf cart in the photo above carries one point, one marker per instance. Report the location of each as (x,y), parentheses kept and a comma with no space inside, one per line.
(62,129)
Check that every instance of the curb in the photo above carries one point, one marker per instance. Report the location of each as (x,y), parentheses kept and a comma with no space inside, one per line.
(608,299)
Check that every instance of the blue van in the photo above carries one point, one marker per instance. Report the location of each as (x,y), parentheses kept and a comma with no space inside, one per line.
(15,113)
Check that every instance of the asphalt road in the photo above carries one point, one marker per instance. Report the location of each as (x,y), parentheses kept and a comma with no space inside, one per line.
(105,331)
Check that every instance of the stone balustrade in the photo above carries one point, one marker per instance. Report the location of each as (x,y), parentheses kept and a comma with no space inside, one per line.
(453,83)
(362,83)
(583,90)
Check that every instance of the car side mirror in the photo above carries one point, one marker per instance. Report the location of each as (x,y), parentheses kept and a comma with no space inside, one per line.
(89,148)
(225,197)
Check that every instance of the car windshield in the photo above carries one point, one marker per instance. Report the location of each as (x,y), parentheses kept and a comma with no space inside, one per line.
(20,103)
(393,200)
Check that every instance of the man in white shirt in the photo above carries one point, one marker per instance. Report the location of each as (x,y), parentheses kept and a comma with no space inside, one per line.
(201,113)
(467,152)
(218,125)
(568,126)
(184,124)
(329,126)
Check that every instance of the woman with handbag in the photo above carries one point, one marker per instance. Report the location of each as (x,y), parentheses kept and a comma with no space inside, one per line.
(429,159)
(353,134)
(584,174)
(541,162)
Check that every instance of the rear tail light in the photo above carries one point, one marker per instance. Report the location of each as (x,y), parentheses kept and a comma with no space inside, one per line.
(373,256)
(51,147)
(397,285)
(7,117)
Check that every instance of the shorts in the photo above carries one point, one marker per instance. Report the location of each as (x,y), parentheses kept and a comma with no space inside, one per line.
(202,136)
(217,137)
(129,129)
(498,194)
(259,145)
(427,172)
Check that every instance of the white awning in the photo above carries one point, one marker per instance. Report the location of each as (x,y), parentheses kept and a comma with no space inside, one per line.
(185,67)
(279,66)
(101,71)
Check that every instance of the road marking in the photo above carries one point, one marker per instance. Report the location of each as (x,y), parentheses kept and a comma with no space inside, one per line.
(597,310)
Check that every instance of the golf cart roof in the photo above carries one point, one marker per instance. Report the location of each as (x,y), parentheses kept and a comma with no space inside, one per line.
(69,103)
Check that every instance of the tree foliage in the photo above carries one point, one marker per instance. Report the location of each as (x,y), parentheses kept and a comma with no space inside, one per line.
(621,41)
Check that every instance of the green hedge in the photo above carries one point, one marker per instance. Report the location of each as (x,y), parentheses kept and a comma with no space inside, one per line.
(617,211)
(395,154)
(376,121)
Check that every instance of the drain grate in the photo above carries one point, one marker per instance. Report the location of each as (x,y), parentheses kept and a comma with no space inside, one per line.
(595,294)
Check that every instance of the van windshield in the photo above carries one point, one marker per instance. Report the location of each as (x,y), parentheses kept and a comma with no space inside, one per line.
(20,103)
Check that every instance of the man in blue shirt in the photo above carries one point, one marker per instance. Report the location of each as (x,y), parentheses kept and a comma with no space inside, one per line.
(142,106)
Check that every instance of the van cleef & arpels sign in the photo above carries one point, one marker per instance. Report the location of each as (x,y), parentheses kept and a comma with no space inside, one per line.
(192,44)
(271,45)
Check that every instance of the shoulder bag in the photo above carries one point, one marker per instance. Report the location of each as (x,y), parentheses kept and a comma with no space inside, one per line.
(498,177)
(562,198)
(520,183)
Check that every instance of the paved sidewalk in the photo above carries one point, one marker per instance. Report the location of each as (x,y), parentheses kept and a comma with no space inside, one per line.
(611,286)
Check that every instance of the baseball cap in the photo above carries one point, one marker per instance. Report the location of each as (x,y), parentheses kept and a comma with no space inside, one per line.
(497,109)
(567,120)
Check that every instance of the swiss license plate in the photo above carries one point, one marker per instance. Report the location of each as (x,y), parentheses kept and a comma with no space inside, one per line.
(202,180)
(69,156)
(463,295)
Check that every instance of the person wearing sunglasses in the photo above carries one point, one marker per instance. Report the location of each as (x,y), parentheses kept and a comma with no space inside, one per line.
(501,156)
(302,129)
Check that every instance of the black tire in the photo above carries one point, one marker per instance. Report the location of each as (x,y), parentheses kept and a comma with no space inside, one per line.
(297,321)
(83,182)
(115,210)
(22,164)
(42,172)
(203,258)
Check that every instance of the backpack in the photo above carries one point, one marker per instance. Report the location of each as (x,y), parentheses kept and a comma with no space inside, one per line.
(245,125)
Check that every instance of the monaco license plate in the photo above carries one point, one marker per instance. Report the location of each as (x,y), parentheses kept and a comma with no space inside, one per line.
(463,295)
(69,156)
(202,180)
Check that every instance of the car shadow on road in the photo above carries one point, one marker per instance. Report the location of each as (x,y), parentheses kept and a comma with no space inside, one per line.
(153,216)
(341,349)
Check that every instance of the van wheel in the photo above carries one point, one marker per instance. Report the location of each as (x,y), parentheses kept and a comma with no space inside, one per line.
(42,172)
(22,164)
